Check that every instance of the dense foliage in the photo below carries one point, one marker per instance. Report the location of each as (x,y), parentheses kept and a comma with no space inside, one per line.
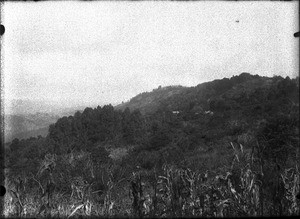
(228,147)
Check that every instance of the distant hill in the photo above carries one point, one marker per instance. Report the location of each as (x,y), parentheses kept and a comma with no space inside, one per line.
(245,89)
(25,126)
(31,133)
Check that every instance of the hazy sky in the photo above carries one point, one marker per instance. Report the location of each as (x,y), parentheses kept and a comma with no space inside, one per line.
(107,52)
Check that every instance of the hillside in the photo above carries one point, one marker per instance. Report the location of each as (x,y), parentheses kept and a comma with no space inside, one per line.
(149,102)
(222,110)
(226,140)
(243,88)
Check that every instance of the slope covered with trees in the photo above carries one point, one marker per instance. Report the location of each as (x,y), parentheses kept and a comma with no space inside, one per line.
(229,147)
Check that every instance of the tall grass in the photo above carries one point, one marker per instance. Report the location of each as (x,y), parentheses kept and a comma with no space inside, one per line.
(243,190)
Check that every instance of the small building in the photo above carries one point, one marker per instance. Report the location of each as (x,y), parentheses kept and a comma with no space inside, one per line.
(209,112)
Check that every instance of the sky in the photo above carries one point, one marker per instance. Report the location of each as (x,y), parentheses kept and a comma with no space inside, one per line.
(76,53)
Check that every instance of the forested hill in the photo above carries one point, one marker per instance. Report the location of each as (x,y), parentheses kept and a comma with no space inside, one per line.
(242,90)
(187,127)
